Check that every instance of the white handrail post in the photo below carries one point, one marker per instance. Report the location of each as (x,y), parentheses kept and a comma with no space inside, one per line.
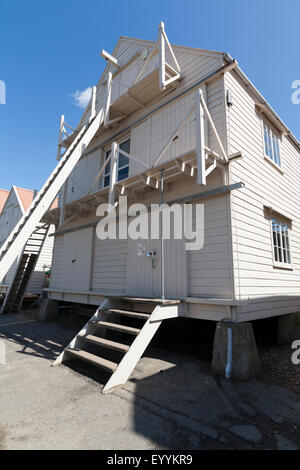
(212,124)
(171,51)
(108,97)
(61,128)
(200,132)
(113,172)
(93,103)
(162,56)
(63,201)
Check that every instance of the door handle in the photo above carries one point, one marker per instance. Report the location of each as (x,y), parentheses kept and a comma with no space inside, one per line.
(151,255)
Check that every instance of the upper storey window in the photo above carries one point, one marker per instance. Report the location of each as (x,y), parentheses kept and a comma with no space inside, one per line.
(281,242)
(123,164)
(272,148)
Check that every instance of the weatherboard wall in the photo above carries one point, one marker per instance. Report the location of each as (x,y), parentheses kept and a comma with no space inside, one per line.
(265,290)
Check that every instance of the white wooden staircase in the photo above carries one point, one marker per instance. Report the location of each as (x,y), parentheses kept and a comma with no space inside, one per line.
(25,268)
(14,244)
(119,357)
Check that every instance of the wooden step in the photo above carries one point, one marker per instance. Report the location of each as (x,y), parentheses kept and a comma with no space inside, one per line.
(106,343)
(129,313)
(117,327)
(93,359)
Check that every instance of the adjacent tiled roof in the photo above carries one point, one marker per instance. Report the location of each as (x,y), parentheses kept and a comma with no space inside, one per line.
(26,196)
(54,204)
(3,196)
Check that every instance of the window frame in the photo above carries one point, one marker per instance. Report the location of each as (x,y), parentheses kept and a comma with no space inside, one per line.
(272,133)
(282,222)
(108,174)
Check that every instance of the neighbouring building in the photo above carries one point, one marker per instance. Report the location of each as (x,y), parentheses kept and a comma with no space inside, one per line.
(14,204)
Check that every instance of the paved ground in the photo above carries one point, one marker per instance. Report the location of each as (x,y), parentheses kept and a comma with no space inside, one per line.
(171,402)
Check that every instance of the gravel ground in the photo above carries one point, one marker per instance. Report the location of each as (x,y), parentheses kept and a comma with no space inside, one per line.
(278,367)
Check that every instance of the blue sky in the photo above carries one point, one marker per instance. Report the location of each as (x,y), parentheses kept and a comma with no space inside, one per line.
(50,49)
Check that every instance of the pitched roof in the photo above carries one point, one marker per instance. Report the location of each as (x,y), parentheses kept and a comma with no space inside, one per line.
(3,196)
(123,41)
(226,57)
(26,196)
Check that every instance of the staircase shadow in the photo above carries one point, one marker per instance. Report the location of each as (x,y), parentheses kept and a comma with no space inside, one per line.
(85,369)
(44,340)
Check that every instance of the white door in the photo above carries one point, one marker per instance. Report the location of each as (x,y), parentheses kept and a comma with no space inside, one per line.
(144,268)
(76,262)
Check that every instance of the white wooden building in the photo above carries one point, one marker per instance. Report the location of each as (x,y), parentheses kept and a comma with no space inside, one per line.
(191,119)
(16,202)
(249,266)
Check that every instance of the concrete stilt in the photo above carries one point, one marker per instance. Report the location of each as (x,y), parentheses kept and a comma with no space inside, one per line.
(288,329)
(48,310)
(245,358)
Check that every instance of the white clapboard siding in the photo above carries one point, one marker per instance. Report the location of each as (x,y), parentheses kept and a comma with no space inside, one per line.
(9,276)
(83,176)
(109,265)
(256,280)
(209,269)
(150,137)
(55,278)
(206,312)
(10,216)
(76,181)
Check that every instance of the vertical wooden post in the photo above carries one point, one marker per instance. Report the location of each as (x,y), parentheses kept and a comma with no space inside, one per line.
(113,172)
(200,133)
(93,103)
(206,129)
(102,160)
(161,227)
(162,56)
(61,127)
(63,201)
(108,97)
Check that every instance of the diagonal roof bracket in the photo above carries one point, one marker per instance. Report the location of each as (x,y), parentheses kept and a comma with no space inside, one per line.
(167,73)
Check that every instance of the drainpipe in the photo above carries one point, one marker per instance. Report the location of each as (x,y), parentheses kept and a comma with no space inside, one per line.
(228,368)
(162,251)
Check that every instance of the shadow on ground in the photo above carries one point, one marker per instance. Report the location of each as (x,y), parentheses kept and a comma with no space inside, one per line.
(171,401)
(37,339)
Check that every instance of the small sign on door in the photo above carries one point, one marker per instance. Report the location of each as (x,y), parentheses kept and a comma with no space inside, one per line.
(140,249)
